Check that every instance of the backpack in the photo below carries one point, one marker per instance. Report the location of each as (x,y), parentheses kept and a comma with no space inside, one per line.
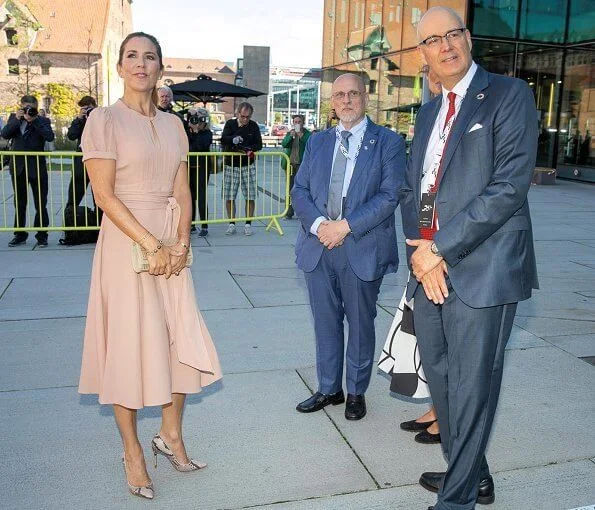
(84,216)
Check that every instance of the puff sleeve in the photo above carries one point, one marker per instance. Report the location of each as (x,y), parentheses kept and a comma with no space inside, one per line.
(98,140)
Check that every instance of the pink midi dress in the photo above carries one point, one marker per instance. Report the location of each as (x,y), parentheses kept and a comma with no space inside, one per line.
(144,337)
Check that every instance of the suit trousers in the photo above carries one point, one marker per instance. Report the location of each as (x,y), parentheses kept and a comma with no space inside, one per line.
(39,187)
(335,293)
(198,177)
(462,354)
(78,184)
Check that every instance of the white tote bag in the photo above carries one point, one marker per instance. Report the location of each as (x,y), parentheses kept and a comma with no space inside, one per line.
(400,356)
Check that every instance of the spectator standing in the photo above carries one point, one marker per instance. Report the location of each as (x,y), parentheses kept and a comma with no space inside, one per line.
(294,144)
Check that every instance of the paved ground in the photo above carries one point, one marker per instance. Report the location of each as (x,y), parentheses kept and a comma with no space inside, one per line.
(60,450)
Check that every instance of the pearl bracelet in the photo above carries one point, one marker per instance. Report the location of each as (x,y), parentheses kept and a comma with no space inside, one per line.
(154,252)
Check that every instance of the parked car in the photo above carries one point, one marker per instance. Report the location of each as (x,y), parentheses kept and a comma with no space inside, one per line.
(279,130)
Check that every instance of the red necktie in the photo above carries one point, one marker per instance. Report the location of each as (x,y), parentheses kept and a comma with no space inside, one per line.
(428,233)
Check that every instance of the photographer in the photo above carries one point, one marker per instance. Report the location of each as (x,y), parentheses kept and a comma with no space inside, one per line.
(294,144)
(240,135)
(200,138)
(29,132)
(79,181)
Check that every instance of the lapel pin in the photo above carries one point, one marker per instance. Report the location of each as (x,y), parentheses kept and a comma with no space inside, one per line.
(372,141)
(480,96)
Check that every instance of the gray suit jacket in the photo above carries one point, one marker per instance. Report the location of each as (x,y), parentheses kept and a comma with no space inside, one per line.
(485,231)
(369,206)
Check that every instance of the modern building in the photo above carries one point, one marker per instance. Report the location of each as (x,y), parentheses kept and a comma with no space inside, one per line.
(548,43)
(49,44)
(294,90)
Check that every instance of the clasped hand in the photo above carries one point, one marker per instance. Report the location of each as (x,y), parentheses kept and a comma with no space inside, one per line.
(332,233)
(168,260)
(430,270)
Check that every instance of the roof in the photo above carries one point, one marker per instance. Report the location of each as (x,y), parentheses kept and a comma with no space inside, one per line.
(69,28)
(196,66)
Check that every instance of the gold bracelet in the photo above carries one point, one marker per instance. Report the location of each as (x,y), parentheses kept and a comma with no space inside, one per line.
(154,252)
(147,234)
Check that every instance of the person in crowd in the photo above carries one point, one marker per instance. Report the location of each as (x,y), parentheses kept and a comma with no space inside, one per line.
(146,343)
(27,131)
(240,135)
(331,119)
(166,97)
(79,181)
(469,245)
(294,144)
(345,196)
(426,426)
(200,138)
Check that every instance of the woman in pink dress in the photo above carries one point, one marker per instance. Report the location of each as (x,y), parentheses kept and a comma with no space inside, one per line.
(146,343)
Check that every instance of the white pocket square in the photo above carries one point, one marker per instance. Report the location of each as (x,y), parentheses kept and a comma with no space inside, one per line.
(475,128)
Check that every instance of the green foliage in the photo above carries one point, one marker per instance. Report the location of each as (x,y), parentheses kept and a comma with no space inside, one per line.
(63,99)
(278,118)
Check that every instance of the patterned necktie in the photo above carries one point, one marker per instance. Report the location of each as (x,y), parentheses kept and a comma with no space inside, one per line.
(428,232)
(335,192)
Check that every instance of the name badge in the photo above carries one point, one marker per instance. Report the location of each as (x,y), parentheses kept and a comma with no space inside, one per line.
(426,210)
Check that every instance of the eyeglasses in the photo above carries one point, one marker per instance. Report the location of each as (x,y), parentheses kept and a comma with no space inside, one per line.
(352,94)
(435,41)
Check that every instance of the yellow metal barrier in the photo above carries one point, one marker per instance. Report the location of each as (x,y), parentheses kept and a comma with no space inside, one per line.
(51,181)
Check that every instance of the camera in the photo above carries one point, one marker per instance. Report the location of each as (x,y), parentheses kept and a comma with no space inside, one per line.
(88,109)
(31,111)
(195,119)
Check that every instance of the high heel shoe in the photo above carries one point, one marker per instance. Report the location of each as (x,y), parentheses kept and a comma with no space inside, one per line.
(145,491)
(159,446)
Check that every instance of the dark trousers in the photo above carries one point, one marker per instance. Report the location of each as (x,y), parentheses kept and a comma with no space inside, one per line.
(39,187)
(292,175)
(199,180)
(78,184)
(335,293)
(462,354)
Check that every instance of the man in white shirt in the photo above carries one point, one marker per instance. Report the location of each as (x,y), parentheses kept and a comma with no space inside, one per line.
(345,196)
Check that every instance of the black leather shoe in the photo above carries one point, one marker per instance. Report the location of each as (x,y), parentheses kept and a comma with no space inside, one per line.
(16,241)
(415,426)
(355,409)
(42,243)
(425,437)
(433,480)
(319,400)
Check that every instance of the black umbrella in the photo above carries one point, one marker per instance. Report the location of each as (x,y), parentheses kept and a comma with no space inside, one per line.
(206,90)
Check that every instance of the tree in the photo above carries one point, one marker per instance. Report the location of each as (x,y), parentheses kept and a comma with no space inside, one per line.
(63,99)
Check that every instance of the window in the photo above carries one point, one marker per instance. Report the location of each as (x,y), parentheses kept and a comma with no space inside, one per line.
(543,20)
(11,36)
(47,102)
(45,68)
(495,17)
(374,64)
(168,82)
(372,87)
(13,66)
(390,89)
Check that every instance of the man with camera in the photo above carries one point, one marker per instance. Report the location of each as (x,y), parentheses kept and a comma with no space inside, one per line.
(240,135)
(294,144)
(200,138)
(29,132)
(79,181)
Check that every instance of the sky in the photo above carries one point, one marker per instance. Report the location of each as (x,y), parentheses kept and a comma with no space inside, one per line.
(219,29)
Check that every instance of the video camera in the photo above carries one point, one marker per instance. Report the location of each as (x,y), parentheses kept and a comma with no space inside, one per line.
(196,117)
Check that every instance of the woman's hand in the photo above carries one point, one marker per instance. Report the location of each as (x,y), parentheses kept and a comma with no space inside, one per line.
(159,258)
(179,254)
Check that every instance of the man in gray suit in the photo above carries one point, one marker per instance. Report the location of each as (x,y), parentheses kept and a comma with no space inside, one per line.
(470,245)
(345,196)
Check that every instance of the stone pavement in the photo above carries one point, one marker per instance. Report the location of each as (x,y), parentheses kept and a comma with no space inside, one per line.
(61,450)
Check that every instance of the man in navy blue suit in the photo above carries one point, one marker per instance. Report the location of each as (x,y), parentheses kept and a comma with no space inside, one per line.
(345,195)
(470,245)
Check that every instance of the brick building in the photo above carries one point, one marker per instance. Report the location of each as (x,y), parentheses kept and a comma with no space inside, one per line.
(69,42)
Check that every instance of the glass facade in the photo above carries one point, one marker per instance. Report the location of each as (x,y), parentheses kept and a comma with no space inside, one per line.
(547,43)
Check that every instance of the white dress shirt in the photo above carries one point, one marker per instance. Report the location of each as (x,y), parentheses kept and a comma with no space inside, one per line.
(355,141)
(460,89)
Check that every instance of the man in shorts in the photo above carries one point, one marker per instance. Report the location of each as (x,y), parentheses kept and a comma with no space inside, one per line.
(242,136)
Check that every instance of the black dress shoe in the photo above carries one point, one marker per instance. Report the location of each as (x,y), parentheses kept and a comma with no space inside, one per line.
(425,437)
(433,480)
(355,409)
(16,241)
(319,400)
(415,426)
(42,243)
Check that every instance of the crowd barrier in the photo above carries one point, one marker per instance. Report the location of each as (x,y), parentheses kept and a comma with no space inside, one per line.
(58,181)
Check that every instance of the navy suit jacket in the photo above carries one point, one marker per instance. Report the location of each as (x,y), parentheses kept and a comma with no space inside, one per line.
(369,206)
(485,231)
